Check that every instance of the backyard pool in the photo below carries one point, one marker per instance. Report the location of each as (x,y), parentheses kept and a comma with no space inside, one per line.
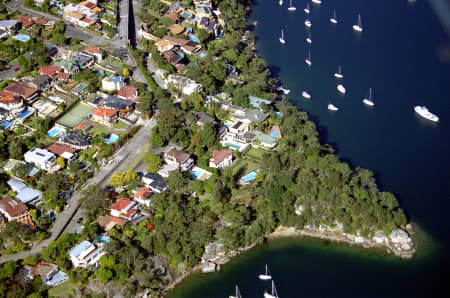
(5,125)
(278,114)
(112,138)
(103,239)
(98,100)
(234,146)
(53,132)
(22,37)
(249,177)
(199,173)
(202,55)
(24,114)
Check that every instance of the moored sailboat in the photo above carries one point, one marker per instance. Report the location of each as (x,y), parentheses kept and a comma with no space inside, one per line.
(358,26)
(306,10)
(306,95)
(308,39)
(341,89)
(339,74)
(237,293)
(282,40)
(291,8)
(273,293)
(308,59)
(369,101)
(333,18)
(332,107)
(266,275)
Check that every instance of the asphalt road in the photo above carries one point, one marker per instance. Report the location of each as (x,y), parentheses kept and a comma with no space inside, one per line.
(66,221)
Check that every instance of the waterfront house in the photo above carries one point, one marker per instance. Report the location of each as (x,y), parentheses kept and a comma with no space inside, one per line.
(264,140)
(124,208)
(41,158)
(48,272)
(183,160)
(10,103)
(239,127)
(221,159)
(86,254)
(201,119)
(256,101)
(11,210)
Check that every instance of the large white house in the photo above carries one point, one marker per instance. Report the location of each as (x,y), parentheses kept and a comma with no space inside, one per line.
(41,158)
(86,254)
(185,85)
(221,159)
(113,83)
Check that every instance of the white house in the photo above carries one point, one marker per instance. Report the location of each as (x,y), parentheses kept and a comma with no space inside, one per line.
(86,254)
(41,158)
(143,195)
(185,85)
(113,83)
(183,160)
(24,193)
(221,159)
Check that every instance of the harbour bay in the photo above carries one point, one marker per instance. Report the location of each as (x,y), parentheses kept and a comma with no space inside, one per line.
(397,55)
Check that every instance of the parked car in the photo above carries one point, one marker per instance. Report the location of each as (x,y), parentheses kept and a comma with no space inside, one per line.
(16,69)
(79,220)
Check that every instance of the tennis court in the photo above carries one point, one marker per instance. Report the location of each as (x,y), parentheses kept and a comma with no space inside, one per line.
(73,117)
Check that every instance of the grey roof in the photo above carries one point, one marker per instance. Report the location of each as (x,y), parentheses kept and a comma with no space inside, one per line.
(75,138)
(28,194)
(41,79)
(157,181)
(16,185)
(255,116)
(113,102)
(203,118)
(77,250)
(204,21)
(8,23)
(81,58)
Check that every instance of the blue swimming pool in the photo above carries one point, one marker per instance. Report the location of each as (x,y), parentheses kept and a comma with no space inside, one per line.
(103,239)
(197,174)
(249,177)
(53,132)
(235,146)
(22,37)
(112,138)
(202,55)
(6,124)
(24,114)
(185,15)
(181,55)
(193,38)
(97,100)
(278,114)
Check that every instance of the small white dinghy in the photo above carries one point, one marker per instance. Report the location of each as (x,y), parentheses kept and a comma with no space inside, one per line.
(339,74)
(308,23)
(333,18)
(308,59)
(280,2)
(369,101)
(341,89)
(306,95)
(317,1)
(266,275)
(358,26)
(332,107)
(308,39)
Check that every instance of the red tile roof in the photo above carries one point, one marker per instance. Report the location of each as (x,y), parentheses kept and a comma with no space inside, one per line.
(59,149)
(143,193)
(12,207)
(20,90)
(43,269)
(128,93)
(219,155)
(7,98)
(92,50)
(41,21)
(128,214)
(105,113)
(121,204)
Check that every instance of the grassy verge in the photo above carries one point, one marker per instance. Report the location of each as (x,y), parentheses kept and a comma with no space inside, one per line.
(120,125)
(64,288)
(98,130)
(140,157)
(256,153)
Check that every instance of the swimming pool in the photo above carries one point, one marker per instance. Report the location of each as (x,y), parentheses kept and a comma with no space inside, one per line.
(278,114)
(53,132)
(249,177)
(103,239)
(181,55)
(193,38)
(197,174)
(235,146)
(6,124)
(24,114)
(98,100)
(112,138)
(185,15)
(80,87)
(22,37)
(202,55)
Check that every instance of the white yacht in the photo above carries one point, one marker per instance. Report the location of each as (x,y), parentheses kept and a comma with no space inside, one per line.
(317,1)
(285,91)
(306,95)
(307,8)
(291,8)
(282,37)
(369,101)
(358,26)
(308,23)
(332,107)
(339,74)
(308,59)
(237,294)
(308,39)
(266,275)
(280,2)
(423,111)
(273,294)
(333,18)
(341,88)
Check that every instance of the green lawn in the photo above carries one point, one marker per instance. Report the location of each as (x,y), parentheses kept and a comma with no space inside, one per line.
(98,130)
(120,125)
(256,153)
(75,115)
(140,157)
(247,166)
(61,289)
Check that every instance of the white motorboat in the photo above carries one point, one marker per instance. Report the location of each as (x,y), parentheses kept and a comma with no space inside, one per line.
(306,95)
(308,23)
(308,59)
(273,294)
(369,101)
(266,275)
(317,1)
(358,26)
(306,10)
(237,294)
(339,74)
(332,107)
(280,2)
(333,18)
(425,113)
(291,8)
(282,40)
(341,89)
(308,39)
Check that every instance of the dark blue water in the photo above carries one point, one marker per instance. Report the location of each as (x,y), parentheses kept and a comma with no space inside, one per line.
(397,55)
